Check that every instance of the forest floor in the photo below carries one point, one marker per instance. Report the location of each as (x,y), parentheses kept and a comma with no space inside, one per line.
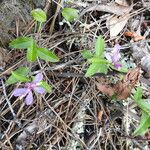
(80,113)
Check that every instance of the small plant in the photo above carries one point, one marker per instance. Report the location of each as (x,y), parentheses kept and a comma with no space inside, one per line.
(21,74)
(144,104)
(40,16)
(33,51)
(37,85)
(98,64)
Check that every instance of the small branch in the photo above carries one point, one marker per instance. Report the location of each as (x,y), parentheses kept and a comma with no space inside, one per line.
(9,104)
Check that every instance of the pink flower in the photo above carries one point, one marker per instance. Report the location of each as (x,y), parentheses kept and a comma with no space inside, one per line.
(115,56)
(28,88)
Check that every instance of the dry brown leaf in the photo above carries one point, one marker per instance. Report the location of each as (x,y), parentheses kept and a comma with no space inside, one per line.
(115,24)
(106,89)
(100,115)
(122,89)
(134,35)
(138,38)
(129,34)
(110,8)
(123,2)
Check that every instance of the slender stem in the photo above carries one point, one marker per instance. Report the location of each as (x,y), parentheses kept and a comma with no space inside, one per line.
(40,26)
(9,104)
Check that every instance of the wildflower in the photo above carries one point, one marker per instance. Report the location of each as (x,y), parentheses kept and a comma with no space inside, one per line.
(115,56)
(28,88)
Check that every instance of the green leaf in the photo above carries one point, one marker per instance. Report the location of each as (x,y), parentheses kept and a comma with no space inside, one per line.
(138,94)
(20,77)
(47,55)
(32,52)
(99,47)
(103,68)
(93,68)
(144,104)
(86,54)
(98,60)
(22,71)
(21,43)
(144,124)
(46,86)
(39,15)
(70,14)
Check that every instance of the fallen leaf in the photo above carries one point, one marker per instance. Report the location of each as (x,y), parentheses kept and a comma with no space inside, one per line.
(100,115)
(138,38)
(115,24)
(128,34)
(106,89)
(134,35)
(122,89)
(111,8)
(123,2)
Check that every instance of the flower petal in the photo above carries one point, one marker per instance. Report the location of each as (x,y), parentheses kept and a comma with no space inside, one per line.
(117,46)
(108,57)
(115,58)
(39,90)
(117,65)
(20,92)
(29,98)
(38,78)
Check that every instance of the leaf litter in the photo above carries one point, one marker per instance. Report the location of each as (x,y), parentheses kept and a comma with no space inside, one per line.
(77,115)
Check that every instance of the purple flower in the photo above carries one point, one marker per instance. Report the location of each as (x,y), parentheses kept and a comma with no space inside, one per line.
(28,88)
(115,56)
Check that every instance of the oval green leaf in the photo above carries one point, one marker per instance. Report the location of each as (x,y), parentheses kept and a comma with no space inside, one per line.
(144,124)
(21,43)
(93,68)
(22,71)
(86,54)
(70,14)
(20,77)
(32,52)
(47,55)
(46,86)
(99,47)
(39,15)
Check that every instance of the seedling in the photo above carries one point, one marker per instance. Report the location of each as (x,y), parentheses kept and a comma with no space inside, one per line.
(21,74)
(40,16)
(98,64)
